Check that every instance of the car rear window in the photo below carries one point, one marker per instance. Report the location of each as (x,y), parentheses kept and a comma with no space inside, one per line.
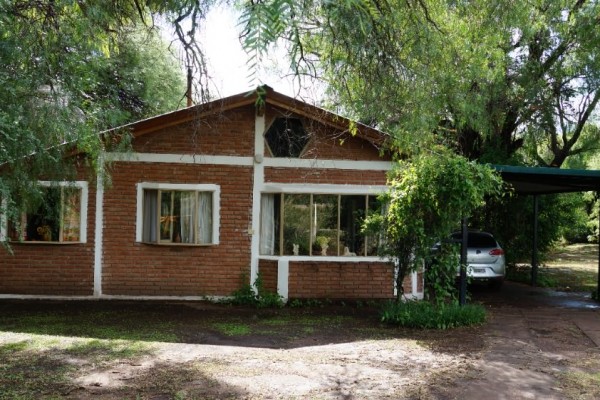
(478,240)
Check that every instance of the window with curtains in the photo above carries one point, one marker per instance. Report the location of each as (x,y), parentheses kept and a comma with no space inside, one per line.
(317,224)
(56,216)
(174,215)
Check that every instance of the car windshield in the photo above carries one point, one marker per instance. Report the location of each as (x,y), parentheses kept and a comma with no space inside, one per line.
(477,240)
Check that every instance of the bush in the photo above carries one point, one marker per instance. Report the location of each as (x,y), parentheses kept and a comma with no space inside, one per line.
(262,298)
(425,315)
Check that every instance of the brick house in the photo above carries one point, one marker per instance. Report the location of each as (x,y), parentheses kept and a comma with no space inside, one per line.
(208,196)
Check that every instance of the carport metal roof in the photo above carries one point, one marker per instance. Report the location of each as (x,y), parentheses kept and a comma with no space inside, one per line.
(541,180)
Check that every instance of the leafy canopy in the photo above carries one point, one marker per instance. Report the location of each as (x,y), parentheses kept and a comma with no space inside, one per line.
(70,70)
(482,76)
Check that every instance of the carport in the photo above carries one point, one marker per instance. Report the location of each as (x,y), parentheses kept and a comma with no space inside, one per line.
(536,181)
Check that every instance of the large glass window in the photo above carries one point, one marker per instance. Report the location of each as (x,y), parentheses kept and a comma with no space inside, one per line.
(296,224)
(56,215)
(316,224)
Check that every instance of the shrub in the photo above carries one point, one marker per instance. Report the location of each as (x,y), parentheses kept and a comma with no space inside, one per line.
(425,315)
(261,298)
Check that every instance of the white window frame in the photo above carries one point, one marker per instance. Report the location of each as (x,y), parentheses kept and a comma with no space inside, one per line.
(83,211)
(216,208)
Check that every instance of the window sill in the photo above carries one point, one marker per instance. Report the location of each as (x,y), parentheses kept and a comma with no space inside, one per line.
(41,242)
(326,258)
(178,244)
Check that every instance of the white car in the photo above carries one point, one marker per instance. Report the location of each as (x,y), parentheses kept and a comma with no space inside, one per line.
(485,257)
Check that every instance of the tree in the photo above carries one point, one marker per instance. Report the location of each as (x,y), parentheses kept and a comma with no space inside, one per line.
(71,70)
(428,196)
(482,76)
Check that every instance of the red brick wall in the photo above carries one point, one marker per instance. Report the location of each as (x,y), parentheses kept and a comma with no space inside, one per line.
(132,268)
(51,269)
(327,142)
(230,134)
(341,280)
(324,176)
(268,273)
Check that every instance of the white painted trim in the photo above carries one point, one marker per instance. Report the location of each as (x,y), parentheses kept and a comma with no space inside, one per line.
(323,188)
(3,221)
(201,187)
(344,259)
(203,159)
(99,233)
(199,159)
(183,298)
(258,182)
(413,282)
(283,275)
(113,297)
(361,165)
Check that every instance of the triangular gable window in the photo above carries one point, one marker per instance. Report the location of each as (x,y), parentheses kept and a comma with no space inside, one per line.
(286,137)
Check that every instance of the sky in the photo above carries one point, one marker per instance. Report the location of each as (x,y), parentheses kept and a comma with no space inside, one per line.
(227,61)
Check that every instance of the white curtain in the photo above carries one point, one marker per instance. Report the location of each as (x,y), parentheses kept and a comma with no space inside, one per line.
(150,212)
(187,202)
(267,224)
(205,217)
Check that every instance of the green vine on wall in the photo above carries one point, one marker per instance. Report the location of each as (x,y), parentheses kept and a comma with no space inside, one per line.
(427,198)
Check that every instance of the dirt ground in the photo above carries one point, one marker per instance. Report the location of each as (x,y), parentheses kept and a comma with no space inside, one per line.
(537,344)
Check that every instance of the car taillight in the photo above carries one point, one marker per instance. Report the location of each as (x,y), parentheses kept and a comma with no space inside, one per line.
(496,252)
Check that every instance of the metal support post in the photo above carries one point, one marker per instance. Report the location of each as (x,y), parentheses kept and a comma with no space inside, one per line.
(462,297)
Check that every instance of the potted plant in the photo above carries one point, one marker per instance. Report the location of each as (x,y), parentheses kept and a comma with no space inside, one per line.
(323,242)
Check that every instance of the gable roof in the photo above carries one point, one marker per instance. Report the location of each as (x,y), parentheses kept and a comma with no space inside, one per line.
(270,97)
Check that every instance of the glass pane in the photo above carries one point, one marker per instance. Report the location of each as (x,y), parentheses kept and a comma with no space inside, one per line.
(352,214)
(296,228)
(324,218)
(150,215)
(166,216)
(375,206)
(184,207)
(269,224)
(205,222)
(43,224)
(71,214)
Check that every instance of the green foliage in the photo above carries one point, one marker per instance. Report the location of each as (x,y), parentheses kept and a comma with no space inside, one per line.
(427,198)
(232,329)
(256,295)
(425,315)
(511,221)
(484,77)
(70,70)
(517,273)
(440,274)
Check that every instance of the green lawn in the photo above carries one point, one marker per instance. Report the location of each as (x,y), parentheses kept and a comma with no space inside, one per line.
(568,268)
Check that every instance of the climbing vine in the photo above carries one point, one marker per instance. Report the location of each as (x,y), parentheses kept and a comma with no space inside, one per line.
(427,197)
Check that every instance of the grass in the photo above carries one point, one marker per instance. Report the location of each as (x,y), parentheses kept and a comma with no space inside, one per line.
(92,324)
(27,373)
(569,268)
(582,381)
(425,315)
(232,328)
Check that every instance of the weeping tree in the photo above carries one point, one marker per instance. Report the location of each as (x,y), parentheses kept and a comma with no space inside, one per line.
(70,70)
(486,76)
(427,198)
